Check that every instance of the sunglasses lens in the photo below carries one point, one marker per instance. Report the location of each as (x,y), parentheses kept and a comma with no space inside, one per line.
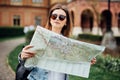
(54,16)
(62,17)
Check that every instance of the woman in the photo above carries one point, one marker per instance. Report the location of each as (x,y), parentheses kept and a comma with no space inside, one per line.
(58,21)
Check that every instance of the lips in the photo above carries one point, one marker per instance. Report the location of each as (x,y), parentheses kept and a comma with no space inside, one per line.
(57,22)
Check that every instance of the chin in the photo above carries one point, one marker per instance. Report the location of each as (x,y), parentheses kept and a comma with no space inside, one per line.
(57,26)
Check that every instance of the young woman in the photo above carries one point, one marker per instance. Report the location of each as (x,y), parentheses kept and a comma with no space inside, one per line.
(58,21)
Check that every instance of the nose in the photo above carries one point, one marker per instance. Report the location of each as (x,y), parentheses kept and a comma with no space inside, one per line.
(57,18)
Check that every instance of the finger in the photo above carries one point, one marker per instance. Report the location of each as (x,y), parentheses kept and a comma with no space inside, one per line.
(27,47)
(28,52)
(93,61)
(26,56)
(29,55)
(94,58)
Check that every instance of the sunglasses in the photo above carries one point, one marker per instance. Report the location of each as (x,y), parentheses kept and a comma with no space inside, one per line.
(54,16)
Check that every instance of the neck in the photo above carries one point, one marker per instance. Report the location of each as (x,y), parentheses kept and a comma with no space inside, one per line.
(56,30)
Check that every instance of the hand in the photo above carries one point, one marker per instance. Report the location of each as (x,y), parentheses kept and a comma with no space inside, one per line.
(26,53)
(93,61)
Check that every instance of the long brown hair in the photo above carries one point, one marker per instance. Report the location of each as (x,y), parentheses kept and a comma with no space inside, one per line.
(66,30)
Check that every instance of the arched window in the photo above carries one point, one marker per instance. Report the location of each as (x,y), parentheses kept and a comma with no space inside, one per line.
(72,16)
(106,21)
(87,21)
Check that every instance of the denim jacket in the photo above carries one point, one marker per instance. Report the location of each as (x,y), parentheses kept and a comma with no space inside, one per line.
(41,74)
(38,73)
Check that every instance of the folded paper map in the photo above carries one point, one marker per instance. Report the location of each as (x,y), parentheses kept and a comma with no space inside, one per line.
(61,54)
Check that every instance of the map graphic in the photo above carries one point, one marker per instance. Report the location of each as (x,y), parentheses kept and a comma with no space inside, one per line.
(61,54)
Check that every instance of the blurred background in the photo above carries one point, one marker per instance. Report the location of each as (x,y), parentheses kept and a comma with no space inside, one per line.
(94,21)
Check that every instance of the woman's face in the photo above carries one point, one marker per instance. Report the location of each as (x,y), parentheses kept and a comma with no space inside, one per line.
(58,18)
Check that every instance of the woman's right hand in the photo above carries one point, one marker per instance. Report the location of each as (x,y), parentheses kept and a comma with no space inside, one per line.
(26,53)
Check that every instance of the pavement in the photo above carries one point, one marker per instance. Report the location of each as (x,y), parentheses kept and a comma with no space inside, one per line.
(6,73)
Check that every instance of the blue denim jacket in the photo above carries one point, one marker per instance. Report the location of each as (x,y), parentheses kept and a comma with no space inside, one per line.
(40,74)
(37,73)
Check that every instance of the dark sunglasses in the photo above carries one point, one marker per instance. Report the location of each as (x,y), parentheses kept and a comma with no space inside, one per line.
(54,16)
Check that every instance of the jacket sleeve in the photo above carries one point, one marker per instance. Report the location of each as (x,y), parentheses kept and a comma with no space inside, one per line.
(19,59)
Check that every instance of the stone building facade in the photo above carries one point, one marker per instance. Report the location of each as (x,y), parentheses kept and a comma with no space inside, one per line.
(88,16)
(23,12)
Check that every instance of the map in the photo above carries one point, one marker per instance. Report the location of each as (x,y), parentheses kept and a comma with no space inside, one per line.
(61,54)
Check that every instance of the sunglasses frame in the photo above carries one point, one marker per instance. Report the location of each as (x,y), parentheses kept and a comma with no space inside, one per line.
(61,17)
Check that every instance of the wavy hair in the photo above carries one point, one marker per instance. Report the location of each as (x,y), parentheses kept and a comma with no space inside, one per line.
(66,30)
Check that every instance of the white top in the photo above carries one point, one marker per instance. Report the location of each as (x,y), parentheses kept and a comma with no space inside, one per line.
(56,76)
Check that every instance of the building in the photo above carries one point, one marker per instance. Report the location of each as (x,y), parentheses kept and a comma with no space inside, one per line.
(24,12)
(88,16)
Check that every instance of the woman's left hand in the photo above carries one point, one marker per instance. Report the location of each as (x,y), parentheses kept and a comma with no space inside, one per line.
(93,61)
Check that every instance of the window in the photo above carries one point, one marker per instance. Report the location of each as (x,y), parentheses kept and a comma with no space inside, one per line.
(37,1)
(16,0)
(16,20)
(69,0)
(37,20)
